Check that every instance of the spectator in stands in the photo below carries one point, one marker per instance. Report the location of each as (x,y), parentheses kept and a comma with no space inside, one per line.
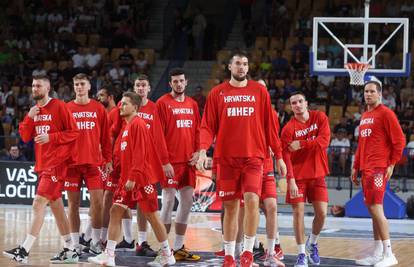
(198,31)
(39,70)
(302,48)
(142,63)
(337,93)
(280,65)
(344,124)
(23,97)
(65,93)
(339,150)
(93,59)
(54,73)
(303,24)
(14,154)
(283,115)
(79,60)
(141,18)
(126,59)
(10,109)
(388,99)
(265,66)
(356,96)
(124,34)
(116,73)
(298,63)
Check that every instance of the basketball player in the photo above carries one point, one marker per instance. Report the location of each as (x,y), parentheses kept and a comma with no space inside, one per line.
(136,185)
(107,96)
(380,145)
(54,131)
(147,112)
(94,149)
(180,119)
(305,139)
(238,114)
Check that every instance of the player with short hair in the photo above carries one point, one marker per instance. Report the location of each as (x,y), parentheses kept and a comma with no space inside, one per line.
(54,131)
(380,145)
(305,140)
(94,149)
(180,120)
(139,174)
(238,114)
(148,112)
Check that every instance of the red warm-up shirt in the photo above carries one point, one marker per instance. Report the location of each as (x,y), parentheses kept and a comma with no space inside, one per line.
(137,151)
(311,161)
(242,121)
(94,143)
(150,115)
(380,141)
(180,122)
(53,119)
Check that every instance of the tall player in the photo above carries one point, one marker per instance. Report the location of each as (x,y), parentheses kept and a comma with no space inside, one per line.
(94,150)
(139,174)
(305,139)
(380,145)
(180,120)
(148,112)
(54,131)
(238,113)
(107,96)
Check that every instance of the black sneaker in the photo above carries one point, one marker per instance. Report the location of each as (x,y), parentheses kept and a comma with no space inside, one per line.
(145,250)
(125,246)
(258,252)
(18,254)
(65,256)
(83,241)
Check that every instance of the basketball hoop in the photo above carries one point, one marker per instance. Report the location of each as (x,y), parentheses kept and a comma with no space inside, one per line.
(357,72)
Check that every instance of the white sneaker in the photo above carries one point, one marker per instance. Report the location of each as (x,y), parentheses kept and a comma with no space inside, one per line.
(387,261)
(103,259)
(368,261)
(162,260)
(272,261)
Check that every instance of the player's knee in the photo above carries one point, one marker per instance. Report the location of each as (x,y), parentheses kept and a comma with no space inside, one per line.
(271,208)
(231,207)
(38,205)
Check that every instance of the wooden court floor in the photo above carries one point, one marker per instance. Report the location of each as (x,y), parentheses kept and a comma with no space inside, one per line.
(203,235)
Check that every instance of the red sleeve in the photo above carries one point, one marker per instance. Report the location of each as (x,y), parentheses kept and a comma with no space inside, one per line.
(197,125)
(396,135)
(209,122)
(159,139)
(324,134)
(27,129)
(106,142)
(70,131)
(138,149)
(287,138)
(271,125)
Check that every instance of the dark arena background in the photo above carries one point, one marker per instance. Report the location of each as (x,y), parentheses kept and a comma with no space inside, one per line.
(291,45)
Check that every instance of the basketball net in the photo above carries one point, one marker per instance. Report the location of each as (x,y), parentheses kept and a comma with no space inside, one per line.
(357,72)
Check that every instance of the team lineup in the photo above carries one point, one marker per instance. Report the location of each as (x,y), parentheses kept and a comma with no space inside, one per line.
(123,151)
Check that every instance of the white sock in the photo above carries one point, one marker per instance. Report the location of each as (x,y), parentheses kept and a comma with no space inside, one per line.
(313,238)
(301,249)
(229,247)
(104,234)
(96,235)
(178,242)
(28,242)
(387,248)
(379,248)
(270,246)
(222,241)
(238,249)
(75,239)
(256,243)
(248,243)
(142,237)
(277,241)
(110,248)
(165,246)
(88,230)
(127,227)
(67,242)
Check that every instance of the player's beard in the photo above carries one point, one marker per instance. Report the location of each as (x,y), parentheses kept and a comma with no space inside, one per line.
(105,103)
(38,97)
(178,93)
(238,78)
